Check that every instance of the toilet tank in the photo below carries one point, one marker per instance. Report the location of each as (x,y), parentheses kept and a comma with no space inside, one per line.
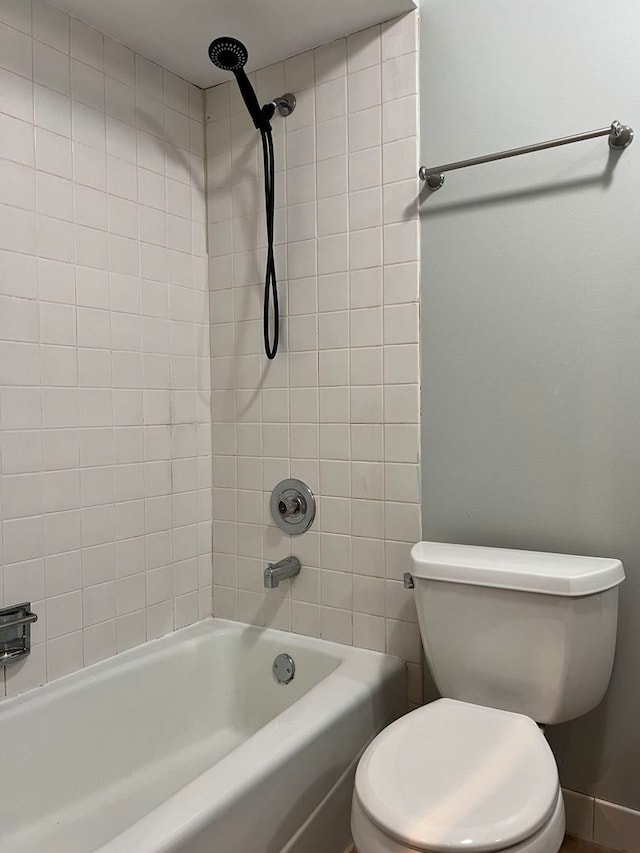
(522,631)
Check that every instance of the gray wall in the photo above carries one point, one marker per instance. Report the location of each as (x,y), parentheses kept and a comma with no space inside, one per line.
(531,314)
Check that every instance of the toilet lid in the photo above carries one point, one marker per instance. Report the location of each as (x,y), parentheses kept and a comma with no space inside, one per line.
(455,776)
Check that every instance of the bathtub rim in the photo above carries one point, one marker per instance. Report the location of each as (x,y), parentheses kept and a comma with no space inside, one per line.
(346,655)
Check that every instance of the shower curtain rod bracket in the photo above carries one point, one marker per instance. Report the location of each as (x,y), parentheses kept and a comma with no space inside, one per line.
(620,137)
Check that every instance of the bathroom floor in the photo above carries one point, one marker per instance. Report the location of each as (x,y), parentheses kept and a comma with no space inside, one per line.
(579,845)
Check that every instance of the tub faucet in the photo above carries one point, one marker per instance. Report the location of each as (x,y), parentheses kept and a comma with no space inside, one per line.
(281,571)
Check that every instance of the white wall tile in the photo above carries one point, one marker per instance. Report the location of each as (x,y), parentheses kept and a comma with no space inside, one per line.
(400,77)
(615,826)
(402,442)
(98,343)
(87,44)
(332,215)
(333,254)
(336,625)
(54,196)
(365,208)
(73,445)
(401,242)
(579,814)
(299,72)
(51,68)
(331,138)
(17,95)
(331,99)
(365,169)
(365,129)
(364,89)
(365,290)
(16,140)
(50,25)
(368,553)
(332,177)
(401,404)
(331,61)
(400,118)
(64,655)
(17,14)
(363,49)
(52,110)
(119,61)
(15,51)
(399,36)
(365,249)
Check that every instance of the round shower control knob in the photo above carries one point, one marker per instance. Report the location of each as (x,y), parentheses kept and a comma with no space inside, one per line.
(293,506)
(290,506)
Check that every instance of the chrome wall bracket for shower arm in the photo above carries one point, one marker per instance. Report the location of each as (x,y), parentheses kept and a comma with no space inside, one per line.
(620,137)
(285,104)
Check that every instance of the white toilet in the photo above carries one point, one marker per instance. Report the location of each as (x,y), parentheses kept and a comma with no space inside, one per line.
(511,637)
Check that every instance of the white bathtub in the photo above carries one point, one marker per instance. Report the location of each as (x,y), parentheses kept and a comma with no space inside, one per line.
(189,744)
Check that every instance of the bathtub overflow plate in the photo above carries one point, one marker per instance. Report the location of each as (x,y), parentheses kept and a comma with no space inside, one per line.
(284,668)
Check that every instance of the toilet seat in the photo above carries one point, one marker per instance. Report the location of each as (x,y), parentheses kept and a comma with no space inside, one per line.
(369,839)
(452,776)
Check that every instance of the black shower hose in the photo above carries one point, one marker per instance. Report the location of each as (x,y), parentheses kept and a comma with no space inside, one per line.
(270,282)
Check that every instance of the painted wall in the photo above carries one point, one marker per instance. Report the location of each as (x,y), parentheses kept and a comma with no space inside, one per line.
(338,407)
(531,307)
(104,344)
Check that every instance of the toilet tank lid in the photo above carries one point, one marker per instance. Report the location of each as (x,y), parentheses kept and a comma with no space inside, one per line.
(529,571)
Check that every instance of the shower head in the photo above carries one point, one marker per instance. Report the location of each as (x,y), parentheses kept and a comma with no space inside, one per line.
(228,53)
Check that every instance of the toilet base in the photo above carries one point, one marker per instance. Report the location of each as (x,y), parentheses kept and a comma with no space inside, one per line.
(369,839)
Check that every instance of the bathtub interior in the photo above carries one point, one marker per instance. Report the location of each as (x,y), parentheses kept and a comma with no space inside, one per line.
(120,740)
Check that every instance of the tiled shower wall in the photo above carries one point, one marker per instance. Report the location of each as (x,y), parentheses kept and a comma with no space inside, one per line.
(338,407)
(104,344)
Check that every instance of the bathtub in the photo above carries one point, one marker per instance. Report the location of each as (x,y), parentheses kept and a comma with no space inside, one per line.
(190,744)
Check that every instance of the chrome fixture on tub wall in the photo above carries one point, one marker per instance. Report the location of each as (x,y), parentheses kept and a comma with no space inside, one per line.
(15,632)
(293,506)
(281,571)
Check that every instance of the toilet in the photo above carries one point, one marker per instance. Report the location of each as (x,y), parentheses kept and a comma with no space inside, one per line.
(514,640)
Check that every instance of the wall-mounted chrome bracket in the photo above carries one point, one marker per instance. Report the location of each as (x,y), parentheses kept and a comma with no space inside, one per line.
(15,632)
(408,581)
(293,506)
(433,181)
(621,136)
(285,104)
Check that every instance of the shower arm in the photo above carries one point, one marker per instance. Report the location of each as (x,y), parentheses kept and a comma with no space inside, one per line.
(285,104)
(262,116)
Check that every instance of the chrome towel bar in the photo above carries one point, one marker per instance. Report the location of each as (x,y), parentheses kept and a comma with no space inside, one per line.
(620,137)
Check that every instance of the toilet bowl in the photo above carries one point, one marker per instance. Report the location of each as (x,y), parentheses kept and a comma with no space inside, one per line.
(453,776)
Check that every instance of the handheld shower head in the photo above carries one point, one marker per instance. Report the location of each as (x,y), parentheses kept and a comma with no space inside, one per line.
(228,53)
